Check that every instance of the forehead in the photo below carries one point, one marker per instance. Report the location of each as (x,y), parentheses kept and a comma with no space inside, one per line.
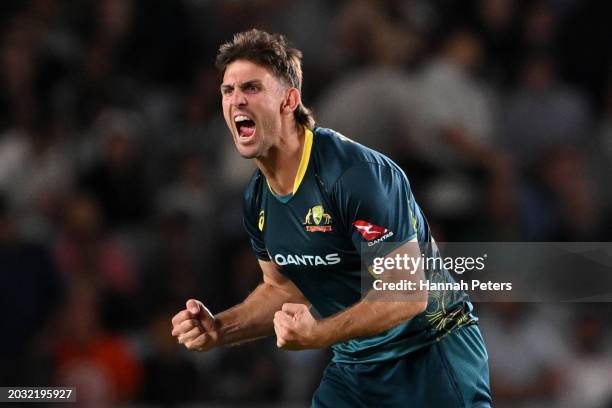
(244,70)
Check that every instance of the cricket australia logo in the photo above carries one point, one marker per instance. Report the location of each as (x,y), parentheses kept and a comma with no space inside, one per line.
(321,220)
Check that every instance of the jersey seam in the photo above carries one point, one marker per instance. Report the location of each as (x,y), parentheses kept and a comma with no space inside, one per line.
(335,183)
(450,373)
(386,166)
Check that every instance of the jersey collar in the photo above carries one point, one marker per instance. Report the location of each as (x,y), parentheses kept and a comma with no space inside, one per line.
(308,138)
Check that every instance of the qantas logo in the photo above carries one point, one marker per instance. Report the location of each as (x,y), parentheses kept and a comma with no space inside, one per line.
(371,232)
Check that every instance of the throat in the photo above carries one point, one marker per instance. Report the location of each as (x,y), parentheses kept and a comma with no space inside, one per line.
(280,176)
(280,188)
(282,164)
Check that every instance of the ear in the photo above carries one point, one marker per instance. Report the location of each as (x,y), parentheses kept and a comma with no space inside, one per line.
(292,101)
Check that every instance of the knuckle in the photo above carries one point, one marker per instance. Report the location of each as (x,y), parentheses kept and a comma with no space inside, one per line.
(214,336)
(192,344)
(179,317)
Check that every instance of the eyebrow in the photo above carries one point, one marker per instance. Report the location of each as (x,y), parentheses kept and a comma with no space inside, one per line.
(243,85)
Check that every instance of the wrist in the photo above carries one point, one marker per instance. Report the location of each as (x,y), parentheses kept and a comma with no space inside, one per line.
(322,334)
(221,335)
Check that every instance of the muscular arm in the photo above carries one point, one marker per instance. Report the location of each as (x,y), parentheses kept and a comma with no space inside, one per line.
(367,318)
(252,318)
(377,312)
(198,329)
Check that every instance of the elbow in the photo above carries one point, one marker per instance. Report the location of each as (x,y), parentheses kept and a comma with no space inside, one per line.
(419,307)
(420,303)
(411,309)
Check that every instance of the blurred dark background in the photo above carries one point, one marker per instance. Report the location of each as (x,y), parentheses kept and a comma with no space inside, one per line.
(120,190)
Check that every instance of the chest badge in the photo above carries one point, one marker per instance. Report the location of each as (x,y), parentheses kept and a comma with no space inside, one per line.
(261,220)
(317,220)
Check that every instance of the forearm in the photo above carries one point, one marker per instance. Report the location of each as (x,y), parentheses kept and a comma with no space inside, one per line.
(379,311)
(366,318)
(253,318)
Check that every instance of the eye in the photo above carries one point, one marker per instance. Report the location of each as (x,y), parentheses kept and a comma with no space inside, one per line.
(251,89)
(226,91)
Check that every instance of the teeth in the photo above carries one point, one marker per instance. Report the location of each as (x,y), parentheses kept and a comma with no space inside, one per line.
(240,118)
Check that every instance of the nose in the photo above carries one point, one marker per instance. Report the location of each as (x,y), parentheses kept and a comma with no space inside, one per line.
(238,98)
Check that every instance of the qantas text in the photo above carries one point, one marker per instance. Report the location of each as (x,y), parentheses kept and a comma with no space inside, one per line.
(307,260)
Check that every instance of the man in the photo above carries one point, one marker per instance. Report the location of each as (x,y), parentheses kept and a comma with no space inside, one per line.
(315,202)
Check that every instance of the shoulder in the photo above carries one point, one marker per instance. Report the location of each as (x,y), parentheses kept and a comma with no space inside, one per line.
(252,192)
(336,154)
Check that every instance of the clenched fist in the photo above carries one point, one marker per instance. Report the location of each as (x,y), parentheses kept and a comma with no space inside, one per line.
(195,327)
(296,328)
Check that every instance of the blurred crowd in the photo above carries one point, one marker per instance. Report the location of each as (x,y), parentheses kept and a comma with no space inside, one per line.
(120,190)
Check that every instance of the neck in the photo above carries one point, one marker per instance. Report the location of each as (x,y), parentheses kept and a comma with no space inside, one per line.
(281,164)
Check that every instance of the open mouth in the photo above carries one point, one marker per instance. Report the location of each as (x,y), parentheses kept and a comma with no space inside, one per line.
(245,126)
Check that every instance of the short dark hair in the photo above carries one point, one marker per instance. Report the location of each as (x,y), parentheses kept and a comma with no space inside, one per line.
(273,52)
